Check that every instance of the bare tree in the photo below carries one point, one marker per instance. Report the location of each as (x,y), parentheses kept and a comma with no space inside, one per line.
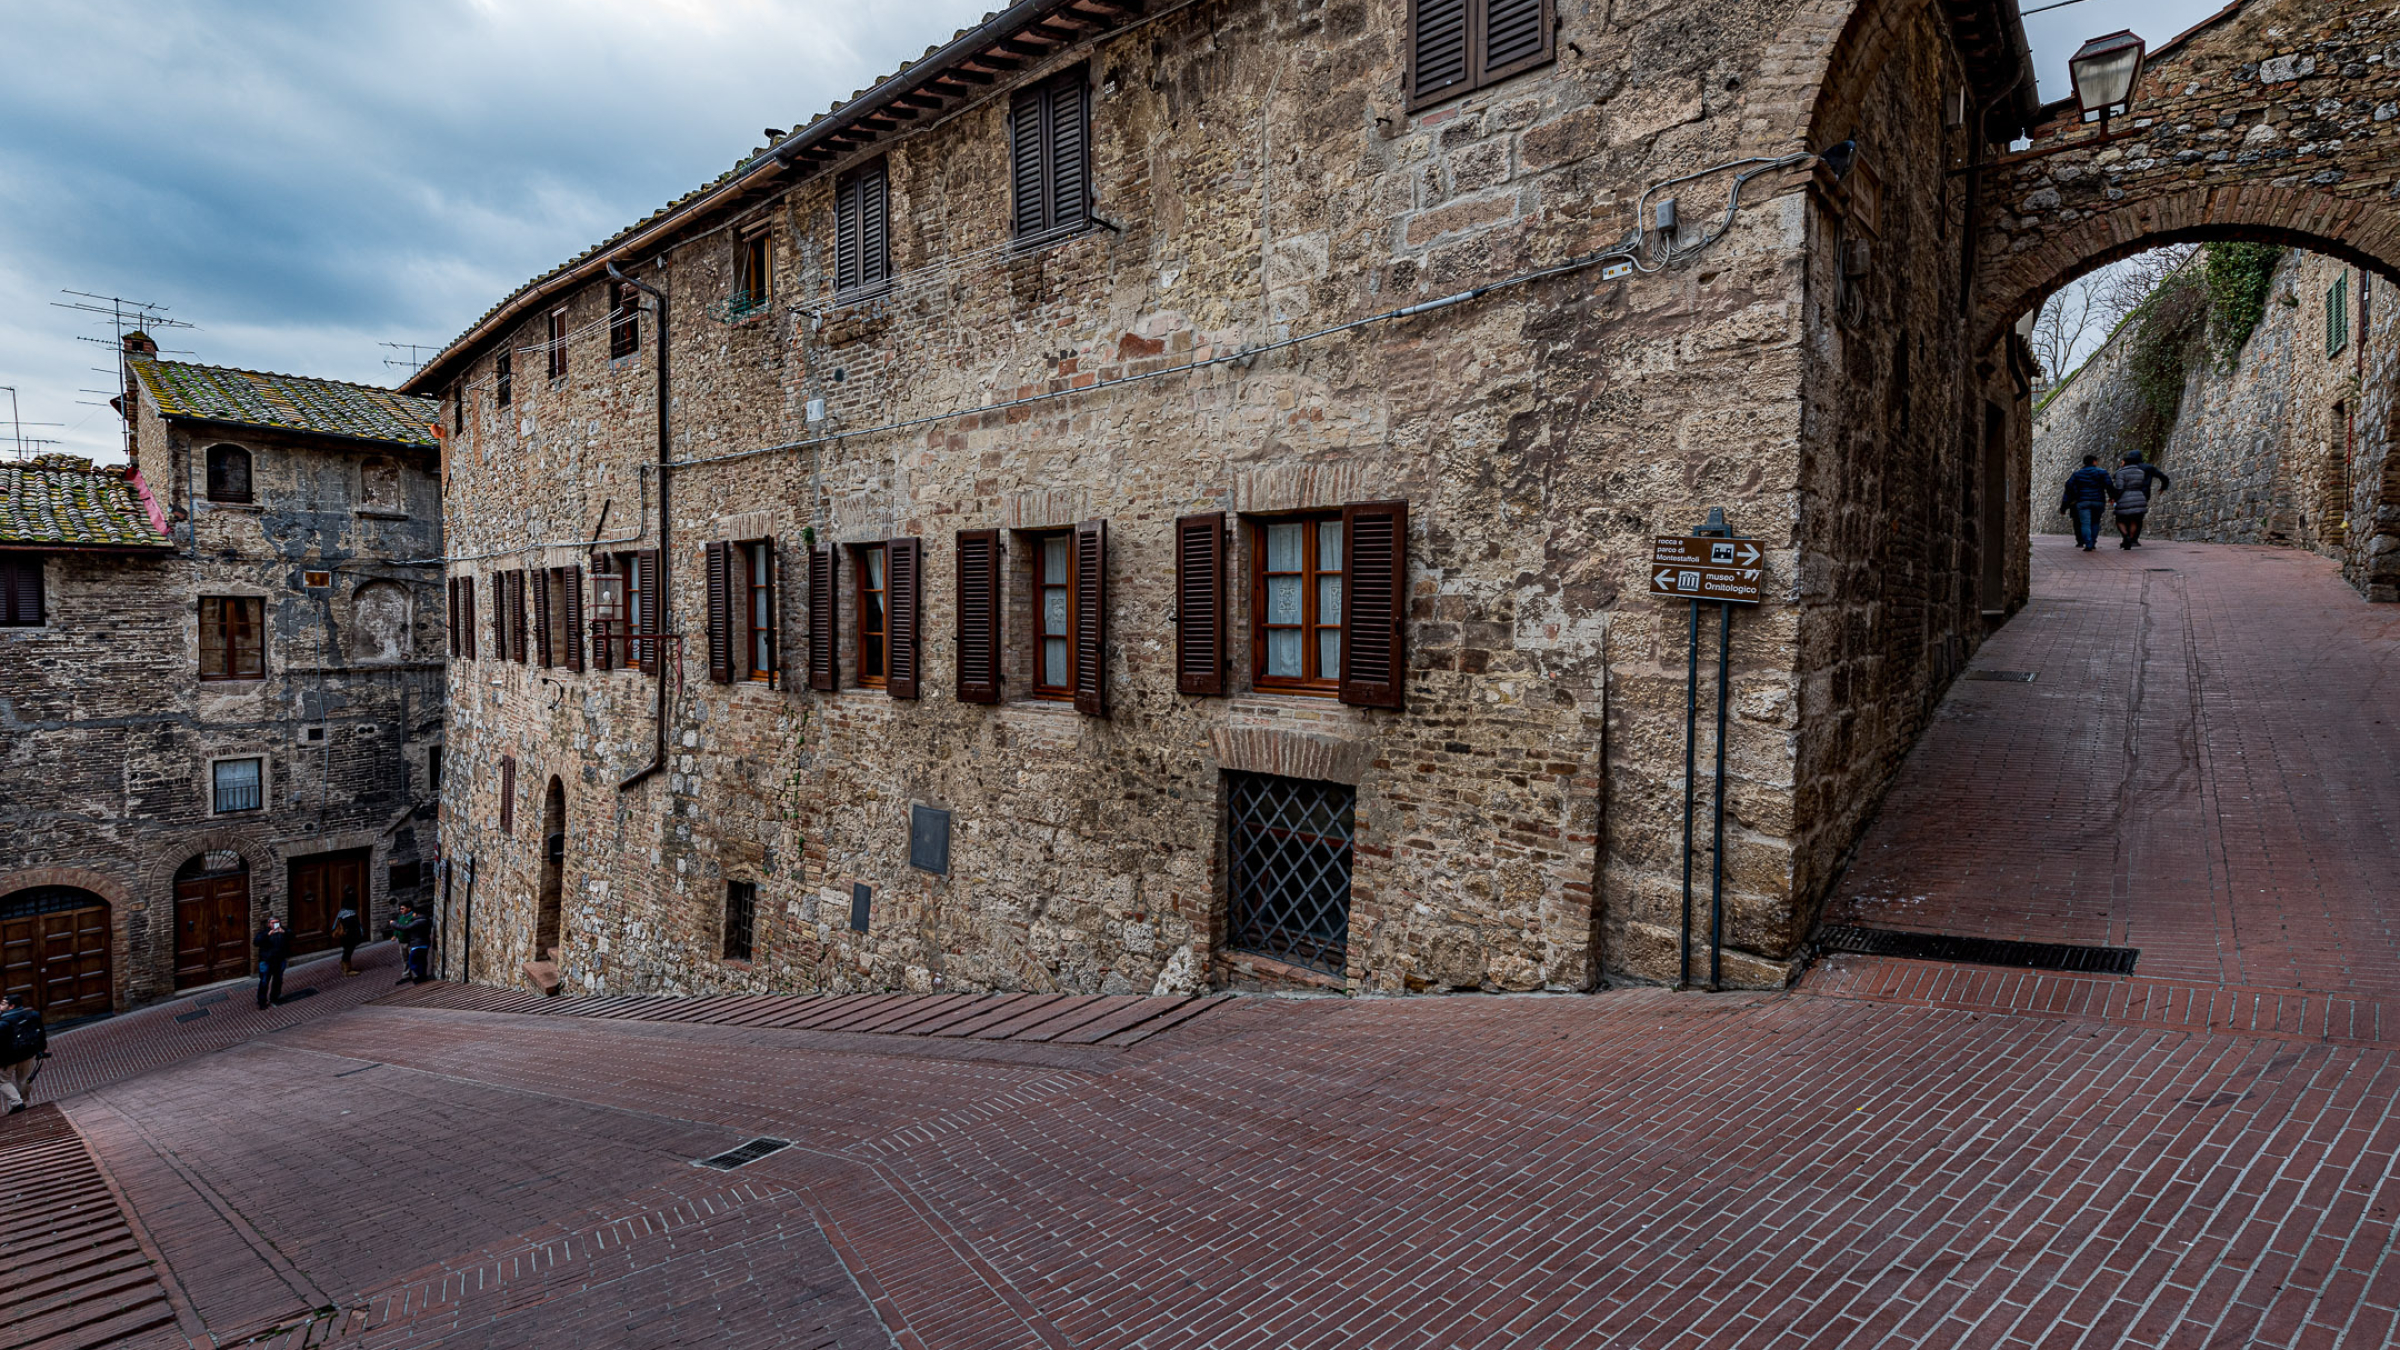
(2084,313)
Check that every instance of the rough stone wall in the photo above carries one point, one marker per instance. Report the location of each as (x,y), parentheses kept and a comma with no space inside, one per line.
(110,733)
(1899,507)
(1264,180)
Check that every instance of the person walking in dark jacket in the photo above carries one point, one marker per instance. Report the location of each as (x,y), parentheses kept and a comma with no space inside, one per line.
(2086,496)
(274,943)
(349,932)
(23,1046)
(2132,482)
(415,931)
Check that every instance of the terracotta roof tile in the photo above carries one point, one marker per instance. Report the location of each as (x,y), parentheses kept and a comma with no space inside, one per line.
(63,500)
(293,402)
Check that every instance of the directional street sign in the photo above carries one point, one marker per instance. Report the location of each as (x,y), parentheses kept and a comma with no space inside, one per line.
(1703,567)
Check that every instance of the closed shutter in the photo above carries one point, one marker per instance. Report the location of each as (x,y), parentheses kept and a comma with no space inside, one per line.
(645,565)
(903,580)
(845,234)
(516,616)
(774,561)
(466,617)
(1091,624)
(1375,603)
(499,590)
(508,794)
(1200,604)
(604,649)
(1070,151)
(1026,152)
(1517,34)
(539,579)
(979,616)
(862,245)
(824,668)
(451,586)
(571,587)
(1437,32)
(720,617)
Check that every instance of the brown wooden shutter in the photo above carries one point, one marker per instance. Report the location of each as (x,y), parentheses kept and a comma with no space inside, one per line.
(824,667)
(905,563)
(1070,150)
(1374,603)
(979,616)
(516,616)
(508,794)
(604,647)
(1026,151)
(571,586)
(646,566)
(1200,604)
(774,557)
(499,590)
(467,631)
(720,619)
(539,580)
(1091,618)
(1515,35)
(1437,48)
(451,588)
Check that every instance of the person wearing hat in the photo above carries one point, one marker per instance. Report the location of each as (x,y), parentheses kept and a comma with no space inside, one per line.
(2132,480)
(23,1046)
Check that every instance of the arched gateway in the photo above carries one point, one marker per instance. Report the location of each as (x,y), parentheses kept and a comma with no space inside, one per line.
(54,950)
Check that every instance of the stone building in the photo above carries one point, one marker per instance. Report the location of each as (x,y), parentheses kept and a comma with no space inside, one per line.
(2284,443)
(1144,501)
(220,671)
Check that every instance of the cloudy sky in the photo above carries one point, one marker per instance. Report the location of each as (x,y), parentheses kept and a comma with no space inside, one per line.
(303,181)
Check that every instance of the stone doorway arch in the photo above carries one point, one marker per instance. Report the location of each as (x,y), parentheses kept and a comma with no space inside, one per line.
(212,918)
(54,950)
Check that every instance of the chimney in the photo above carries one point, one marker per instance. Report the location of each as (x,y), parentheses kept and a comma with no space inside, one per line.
(136,343)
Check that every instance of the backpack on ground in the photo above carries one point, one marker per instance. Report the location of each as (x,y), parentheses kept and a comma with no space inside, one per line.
(21,1035)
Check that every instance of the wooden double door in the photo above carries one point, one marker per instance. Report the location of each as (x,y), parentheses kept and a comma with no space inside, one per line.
(54,950)
(323,886)
(212,929)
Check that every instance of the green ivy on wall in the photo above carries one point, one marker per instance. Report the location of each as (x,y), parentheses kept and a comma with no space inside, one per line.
(2237,277)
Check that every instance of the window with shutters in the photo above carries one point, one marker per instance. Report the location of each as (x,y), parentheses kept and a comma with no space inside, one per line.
(980,631)
(624,321)
(557,345)
(753,274)
(1053,615)
(504,374)
(1456,46)
(757,661)
(2337,315)
(862,248)
(232,637)
(1296,598)
(636,618)
(228,474)
(741,918)
(1049,155)
(874,630)
(20,590)
(1091,618)
(1200,651)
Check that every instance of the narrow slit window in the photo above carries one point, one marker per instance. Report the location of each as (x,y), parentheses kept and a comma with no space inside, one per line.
(625,322)
(1054,616)
(759,611)
(503,379)
(558,343)
(874,628)
(741,918)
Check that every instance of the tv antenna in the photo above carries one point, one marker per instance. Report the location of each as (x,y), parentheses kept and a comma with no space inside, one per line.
(410,359)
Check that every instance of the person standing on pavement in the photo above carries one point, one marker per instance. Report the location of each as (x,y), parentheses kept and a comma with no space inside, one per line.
(349,932)
(2132,481)
(274,943)
(2086,496)
(23,1046)
(414,928)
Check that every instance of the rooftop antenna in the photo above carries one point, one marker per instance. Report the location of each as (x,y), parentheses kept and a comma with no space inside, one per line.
(410,361)
(17,425)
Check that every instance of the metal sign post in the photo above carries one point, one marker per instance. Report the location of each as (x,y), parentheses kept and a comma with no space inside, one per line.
(1708,564)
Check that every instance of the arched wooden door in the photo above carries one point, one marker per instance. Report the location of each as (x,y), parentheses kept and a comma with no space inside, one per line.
(54,950)
(212,919)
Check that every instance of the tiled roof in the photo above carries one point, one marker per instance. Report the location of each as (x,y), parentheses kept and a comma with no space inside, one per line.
(293,402)
(62,500)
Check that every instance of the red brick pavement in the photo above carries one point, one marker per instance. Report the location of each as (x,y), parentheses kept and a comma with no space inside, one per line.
(1634,1169)
(2203,769)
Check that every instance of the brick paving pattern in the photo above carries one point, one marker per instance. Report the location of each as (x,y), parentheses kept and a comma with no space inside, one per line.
(1895,1153)
(2202,769)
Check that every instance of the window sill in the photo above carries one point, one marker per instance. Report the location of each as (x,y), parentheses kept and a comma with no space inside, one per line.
(862,295)
(245,508)
(378,513)
(233,679)
(1042,703)
(1026,245)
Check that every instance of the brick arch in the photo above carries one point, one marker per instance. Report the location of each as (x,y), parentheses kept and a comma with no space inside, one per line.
(2363,234)
(98,883)
(158,877)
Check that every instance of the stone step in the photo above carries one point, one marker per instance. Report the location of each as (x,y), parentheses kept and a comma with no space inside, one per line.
(543,975)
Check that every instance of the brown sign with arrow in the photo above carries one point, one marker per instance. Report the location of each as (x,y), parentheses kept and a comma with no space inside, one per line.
(1705,567)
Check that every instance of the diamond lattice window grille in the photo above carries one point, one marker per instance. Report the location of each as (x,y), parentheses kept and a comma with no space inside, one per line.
(1291,869)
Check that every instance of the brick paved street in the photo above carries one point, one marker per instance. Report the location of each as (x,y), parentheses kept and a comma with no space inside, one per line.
(1895,1153)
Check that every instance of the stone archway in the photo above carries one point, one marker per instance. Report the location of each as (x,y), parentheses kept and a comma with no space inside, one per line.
(2273,122)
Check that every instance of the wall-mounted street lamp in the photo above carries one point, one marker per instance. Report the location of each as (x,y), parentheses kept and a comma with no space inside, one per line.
(2104,70)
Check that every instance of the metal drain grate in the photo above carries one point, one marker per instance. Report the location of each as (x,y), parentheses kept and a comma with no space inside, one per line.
(744,1154)
(2011,676)
(1980,951)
